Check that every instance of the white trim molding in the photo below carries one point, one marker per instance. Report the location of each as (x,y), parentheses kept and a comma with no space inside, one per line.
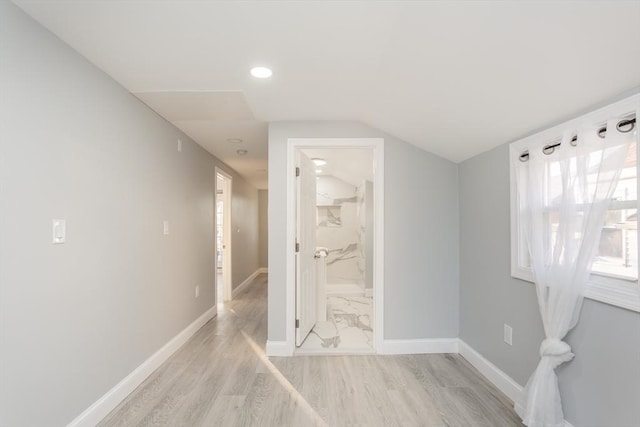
(419,346)
(377,145)
(493,374)
(278,349)
(101,408)
(263,270)
(502,381)
(609,290)
(241,287)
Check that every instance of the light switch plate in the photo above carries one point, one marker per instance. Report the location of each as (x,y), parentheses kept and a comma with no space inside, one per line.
(59,227)
(179,146)
(165,227)
(508,334)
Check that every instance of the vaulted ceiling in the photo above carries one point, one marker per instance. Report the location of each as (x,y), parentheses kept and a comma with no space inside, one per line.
(455,78)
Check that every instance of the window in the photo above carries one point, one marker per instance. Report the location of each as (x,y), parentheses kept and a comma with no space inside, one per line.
(617,254)
(614,278)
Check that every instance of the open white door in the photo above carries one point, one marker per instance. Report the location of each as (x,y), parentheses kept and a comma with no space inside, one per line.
(305,247)
(223,236)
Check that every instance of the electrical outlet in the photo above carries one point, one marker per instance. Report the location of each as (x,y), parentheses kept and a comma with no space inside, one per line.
(165,227)
(508,334)
(197,291)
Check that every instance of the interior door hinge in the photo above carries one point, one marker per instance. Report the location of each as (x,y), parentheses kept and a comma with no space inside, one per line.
(297,171)
(297,247)
(297,323)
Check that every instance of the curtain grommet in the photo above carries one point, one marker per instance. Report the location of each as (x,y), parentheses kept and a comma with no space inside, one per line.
(630,124)
(574,141)
(602,132)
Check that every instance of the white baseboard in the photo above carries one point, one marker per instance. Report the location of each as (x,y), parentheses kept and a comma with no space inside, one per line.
(278,348)
(491,372)
(419,346)
(263,270)
(96,412)
(244,284)
(502,381)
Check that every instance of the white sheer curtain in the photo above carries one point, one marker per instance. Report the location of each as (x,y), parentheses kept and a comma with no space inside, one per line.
(563,198)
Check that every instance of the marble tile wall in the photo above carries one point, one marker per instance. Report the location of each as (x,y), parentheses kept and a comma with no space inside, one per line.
(339,230)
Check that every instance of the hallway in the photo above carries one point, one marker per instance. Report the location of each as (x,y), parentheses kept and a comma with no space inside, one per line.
(222,377)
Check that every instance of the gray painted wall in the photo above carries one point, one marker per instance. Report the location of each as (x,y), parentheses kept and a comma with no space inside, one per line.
(244,230)
(601,386)
(263,228)
(421,232)
(75,319)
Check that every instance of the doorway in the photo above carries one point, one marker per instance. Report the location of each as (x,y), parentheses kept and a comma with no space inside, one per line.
(223,237)
(334,269)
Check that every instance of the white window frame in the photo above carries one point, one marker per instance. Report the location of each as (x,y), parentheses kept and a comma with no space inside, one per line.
(619,292)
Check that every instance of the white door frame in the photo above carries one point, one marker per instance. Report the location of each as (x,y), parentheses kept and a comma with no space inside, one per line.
(377,145)
(227,293)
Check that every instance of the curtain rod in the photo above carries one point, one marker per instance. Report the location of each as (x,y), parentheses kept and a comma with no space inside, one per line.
(629,124)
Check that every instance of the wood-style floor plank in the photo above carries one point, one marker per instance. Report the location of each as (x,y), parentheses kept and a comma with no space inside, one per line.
(221,377)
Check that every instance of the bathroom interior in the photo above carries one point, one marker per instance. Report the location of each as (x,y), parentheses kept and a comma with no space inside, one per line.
(344,240)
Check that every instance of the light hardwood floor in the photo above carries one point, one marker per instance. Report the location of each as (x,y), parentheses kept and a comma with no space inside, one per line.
(221,377)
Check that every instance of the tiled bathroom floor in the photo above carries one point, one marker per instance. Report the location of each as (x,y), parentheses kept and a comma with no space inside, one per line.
(349,327)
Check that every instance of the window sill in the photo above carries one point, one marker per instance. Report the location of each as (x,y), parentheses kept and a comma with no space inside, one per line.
(621,293)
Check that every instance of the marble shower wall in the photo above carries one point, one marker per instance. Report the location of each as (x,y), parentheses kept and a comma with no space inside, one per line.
(339,230)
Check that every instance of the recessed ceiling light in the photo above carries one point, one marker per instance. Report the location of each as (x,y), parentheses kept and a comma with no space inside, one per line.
(234,140)
(241,152)
(261,72)
(319,162)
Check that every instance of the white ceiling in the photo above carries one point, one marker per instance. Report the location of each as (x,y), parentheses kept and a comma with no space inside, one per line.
(454,78)
(351,165)
(217,120)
